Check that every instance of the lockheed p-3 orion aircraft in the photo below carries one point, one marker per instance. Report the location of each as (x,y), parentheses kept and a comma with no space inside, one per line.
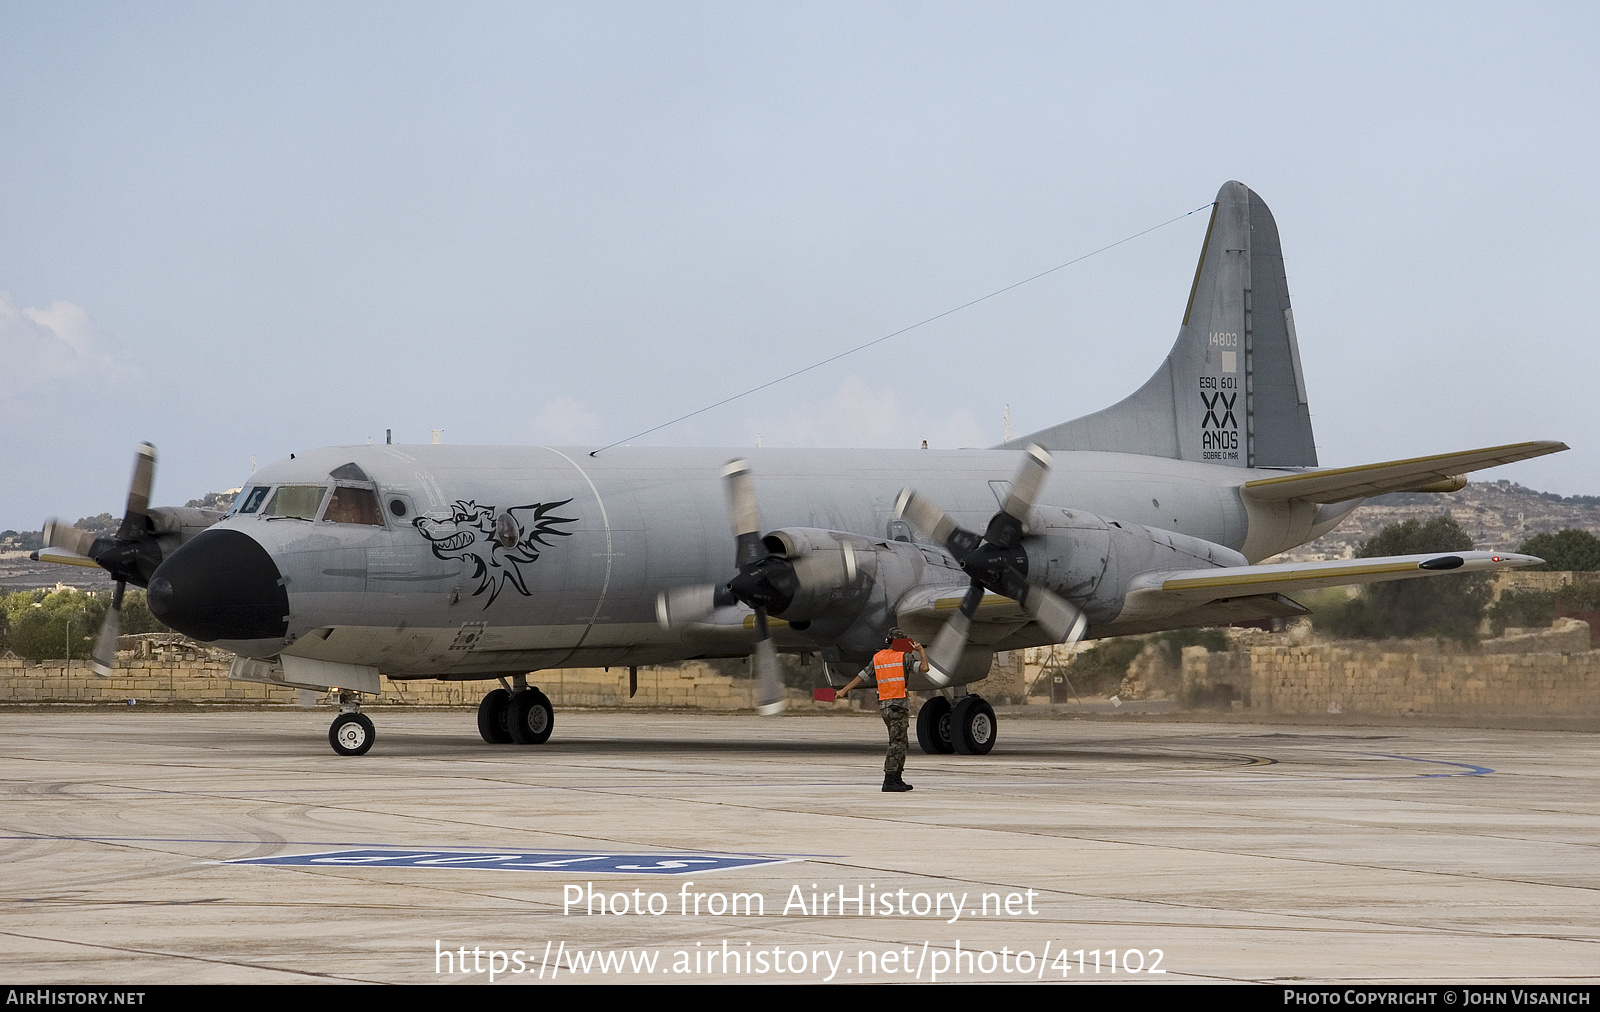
(496,562)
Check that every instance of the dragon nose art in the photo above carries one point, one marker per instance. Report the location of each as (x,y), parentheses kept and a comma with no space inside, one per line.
(221,585)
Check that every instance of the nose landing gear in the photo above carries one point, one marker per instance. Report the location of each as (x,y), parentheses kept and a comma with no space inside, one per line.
(352,732)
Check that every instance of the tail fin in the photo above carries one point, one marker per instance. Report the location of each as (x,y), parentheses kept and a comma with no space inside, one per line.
(1231,391)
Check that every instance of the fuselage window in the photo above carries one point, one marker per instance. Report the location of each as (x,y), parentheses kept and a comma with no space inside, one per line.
(252,499)
(353,506)
(297,501)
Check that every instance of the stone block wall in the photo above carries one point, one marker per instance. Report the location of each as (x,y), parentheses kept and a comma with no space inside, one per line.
(197,675)
(1540,674)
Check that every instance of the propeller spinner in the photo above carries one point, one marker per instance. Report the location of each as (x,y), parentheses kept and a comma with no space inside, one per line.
(995,561)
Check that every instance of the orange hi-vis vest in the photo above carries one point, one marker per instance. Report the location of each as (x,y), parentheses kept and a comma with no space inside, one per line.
(889,668)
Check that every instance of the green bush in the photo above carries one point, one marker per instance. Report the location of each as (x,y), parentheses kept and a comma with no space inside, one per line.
(1569,550)
(1173,642)
(1523,609)
(66,618)
(1451,605)
(51,625)
(1099,670)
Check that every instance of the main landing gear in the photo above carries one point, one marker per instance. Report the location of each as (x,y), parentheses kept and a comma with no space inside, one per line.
(519,714)
(966,728)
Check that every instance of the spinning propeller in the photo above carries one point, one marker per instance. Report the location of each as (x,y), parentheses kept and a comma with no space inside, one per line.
(995,561)
(766,582)
(130,556)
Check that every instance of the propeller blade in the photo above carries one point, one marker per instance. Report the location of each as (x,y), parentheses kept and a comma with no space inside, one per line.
(1007,527)
(105,645)
(770,697)
(743,512)
(680,606)
(951,642)
(1062,620)
(134,520)
(934,523)
(60,535)
(1025,490)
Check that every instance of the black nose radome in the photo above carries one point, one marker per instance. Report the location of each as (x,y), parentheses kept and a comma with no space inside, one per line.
(221,585)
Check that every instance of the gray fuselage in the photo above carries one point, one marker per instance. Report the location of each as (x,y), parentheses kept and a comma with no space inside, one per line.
(429,590)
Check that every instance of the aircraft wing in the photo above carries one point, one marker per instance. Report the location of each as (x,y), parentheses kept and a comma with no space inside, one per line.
(1153,595)
(928,608)
(1442,472)
(64,557)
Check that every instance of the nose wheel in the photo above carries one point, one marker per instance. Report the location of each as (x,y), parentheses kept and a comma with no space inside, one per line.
(351,734)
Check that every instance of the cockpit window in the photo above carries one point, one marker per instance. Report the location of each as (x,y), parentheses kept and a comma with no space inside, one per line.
(297,501)
(353,506)
(252,498)
(350,472)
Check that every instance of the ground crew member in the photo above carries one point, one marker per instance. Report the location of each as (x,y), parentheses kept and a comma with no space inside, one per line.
(890,667)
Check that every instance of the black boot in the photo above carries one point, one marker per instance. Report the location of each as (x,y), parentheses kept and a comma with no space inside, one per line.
(893,784)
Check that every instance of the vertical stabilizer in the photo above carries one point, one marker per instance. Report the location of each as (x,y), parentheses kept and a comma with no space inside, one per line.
(1232,390)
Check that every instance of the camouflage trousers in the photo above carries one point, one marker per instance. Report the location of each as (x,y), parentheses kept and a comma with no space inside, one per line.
(896,716)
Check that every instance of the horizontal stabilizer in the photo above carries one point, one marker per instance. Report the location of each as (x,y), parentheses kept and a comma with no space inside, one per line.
(1154,595)
(1416,474)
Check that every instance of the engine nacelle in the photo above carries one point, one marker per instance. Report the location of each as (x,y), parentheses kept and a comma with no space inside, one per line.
(1090,560)
(827,573)
(846,586)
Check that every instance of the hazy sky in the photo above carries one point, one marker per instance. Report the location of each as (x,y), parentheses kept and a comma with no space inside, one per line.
(238,230)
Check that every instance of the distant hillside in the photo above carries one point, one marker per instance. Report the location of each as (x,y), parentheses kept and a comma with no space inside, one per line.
(1498,515)
(18,572)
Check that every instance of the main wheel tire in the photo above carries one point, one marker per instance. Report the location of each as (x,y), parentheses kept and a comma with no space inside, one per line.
(351,734)
(494,715)
(933,727)
(530,718)
(972,726)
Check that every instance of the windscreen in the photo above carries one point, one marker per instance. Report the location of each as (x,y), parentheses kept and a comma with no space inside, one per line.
(297,501)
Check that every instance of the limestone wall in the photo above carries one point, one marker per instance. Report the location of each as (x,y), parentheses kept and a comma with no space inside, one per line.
(1547,673)
(197,675)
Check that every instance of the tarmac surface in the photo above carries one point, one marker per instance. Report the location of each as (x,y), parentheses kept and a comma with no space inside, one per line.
(1171,851)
